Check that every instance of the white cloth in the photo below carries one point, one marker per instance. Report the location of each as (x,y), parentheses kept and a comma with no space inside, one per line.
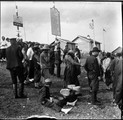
(3,44)
(8,44)
(30,53)
(99,60)
(106,63)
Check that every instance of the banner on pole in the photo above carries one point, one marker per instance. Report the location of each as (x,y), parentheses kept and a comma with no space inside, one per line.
(55,21)
(17,21)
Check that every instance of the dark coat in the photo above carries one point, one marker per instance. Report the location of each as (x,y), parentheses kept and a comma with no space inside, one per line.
(93,71)
(116,68)
(70,75)
(14,56)
(92,66)
(58,57)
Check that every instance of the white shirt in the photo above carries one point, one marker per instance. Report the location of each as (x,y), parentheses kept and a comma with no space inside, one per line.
(30,53)
(8,44)
(106,63)
(3,44)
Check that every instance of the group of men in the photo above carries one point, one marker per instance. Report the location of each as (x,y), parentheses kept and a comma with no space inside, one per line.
(110,70)
(43,64)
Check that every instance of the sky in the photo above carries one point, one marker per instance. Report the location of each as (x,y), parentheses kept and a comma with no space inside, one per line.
(74,19)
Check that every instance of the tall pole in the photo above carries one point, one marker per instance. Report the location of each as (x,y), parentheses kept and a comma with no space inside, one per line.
(17,16)
(93,32)
(103,40)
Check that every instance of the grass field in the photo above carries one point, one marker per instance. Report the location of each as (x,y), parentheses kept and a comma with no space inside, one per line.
(11,108)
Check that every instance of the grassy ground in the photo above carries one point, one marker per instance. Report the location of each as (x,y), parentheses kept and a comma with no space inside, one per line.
(11,108)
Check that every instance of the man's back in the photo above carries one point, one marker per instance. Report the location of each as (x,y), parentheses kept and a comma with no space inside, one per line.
(12,56)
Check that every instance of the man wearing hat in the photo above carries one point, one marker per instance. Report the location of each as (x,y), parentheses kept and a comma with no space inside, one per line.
(93,69)
(14,58)
(45,62)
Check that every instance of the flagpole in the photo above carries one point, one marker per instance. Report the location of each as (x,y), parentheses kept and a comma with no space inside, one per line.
(93,33)
(17,16)
(103,40)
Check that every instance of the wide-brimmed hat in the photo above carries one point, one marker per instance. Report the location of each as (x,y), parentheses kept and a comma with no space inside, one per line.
(45,47)
(65,92)
(71,86)
(71,53)
(95,49)
(76,88)
(12,39)
(47,81)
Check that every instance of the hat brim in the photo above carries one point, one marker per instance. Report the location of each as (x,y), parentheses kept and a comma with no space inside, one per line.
(95,50)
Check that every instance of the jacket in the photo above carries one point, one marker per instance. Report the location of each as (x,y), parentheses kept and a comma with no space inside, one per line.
(14,56)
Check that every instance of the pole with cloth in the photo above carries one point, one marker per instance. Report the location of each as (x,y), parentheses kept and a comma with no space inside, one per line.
(104,38)
(91,25)
(17,26)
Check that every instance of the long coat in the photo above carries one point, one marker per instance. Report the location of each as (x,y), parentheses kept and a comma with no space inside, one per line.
(14,56)
(93,70)
(116,68)
(70,75)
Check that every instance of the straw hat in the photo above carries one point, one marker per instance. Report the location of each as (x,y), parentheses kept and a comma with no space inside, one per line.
(47,81)
(45,47)
(71,86)
(65,92)
(76,88)
(95,49)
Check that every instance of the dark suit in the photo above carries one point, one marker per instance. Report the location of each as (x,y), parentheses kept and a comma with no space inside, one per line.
(14,58)
(116,68)
(93,70)
(58,61)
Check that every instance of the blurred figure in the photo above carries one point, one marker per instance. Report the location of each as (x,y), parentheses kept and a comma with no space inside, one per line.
(78,51)
(106,71)
(37,67)
(58,60)
(52,60)
(116,68)
(45,62)
(30,54)
(25,61)
(93,69)
(89,80)
(3,49)
(8,42)
(14,65)
(65,51)
(71,71)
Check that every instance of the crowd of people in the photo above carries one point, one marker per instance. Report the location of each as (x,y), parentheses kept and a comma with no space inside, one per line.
(31,62)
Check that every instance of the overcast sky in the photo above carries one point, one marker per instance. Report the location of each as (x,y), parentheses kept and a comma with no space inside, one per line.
(74,16)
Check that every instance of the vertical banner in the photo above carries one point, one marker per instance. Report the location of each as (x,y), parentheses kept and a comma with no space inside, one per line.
(55,21)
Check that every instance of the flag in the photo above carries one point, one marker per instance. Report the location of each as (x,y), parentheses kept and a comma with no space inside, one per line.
(55,21)
(104,30)
(91,25)
(16,10)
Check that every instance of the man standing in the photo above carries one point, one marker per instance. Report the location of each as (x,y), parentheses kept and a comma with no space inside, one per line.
(78,52)
(14,58)
(3,48)
(45,62)
(30,54)
(93,69)
(65,51)
(52,60)
(116,68)
(58,59)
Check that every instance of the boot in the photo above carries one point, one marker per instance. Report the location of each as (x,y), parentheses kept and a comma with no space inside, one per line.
(15,91)
(21,91)
(95,97)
